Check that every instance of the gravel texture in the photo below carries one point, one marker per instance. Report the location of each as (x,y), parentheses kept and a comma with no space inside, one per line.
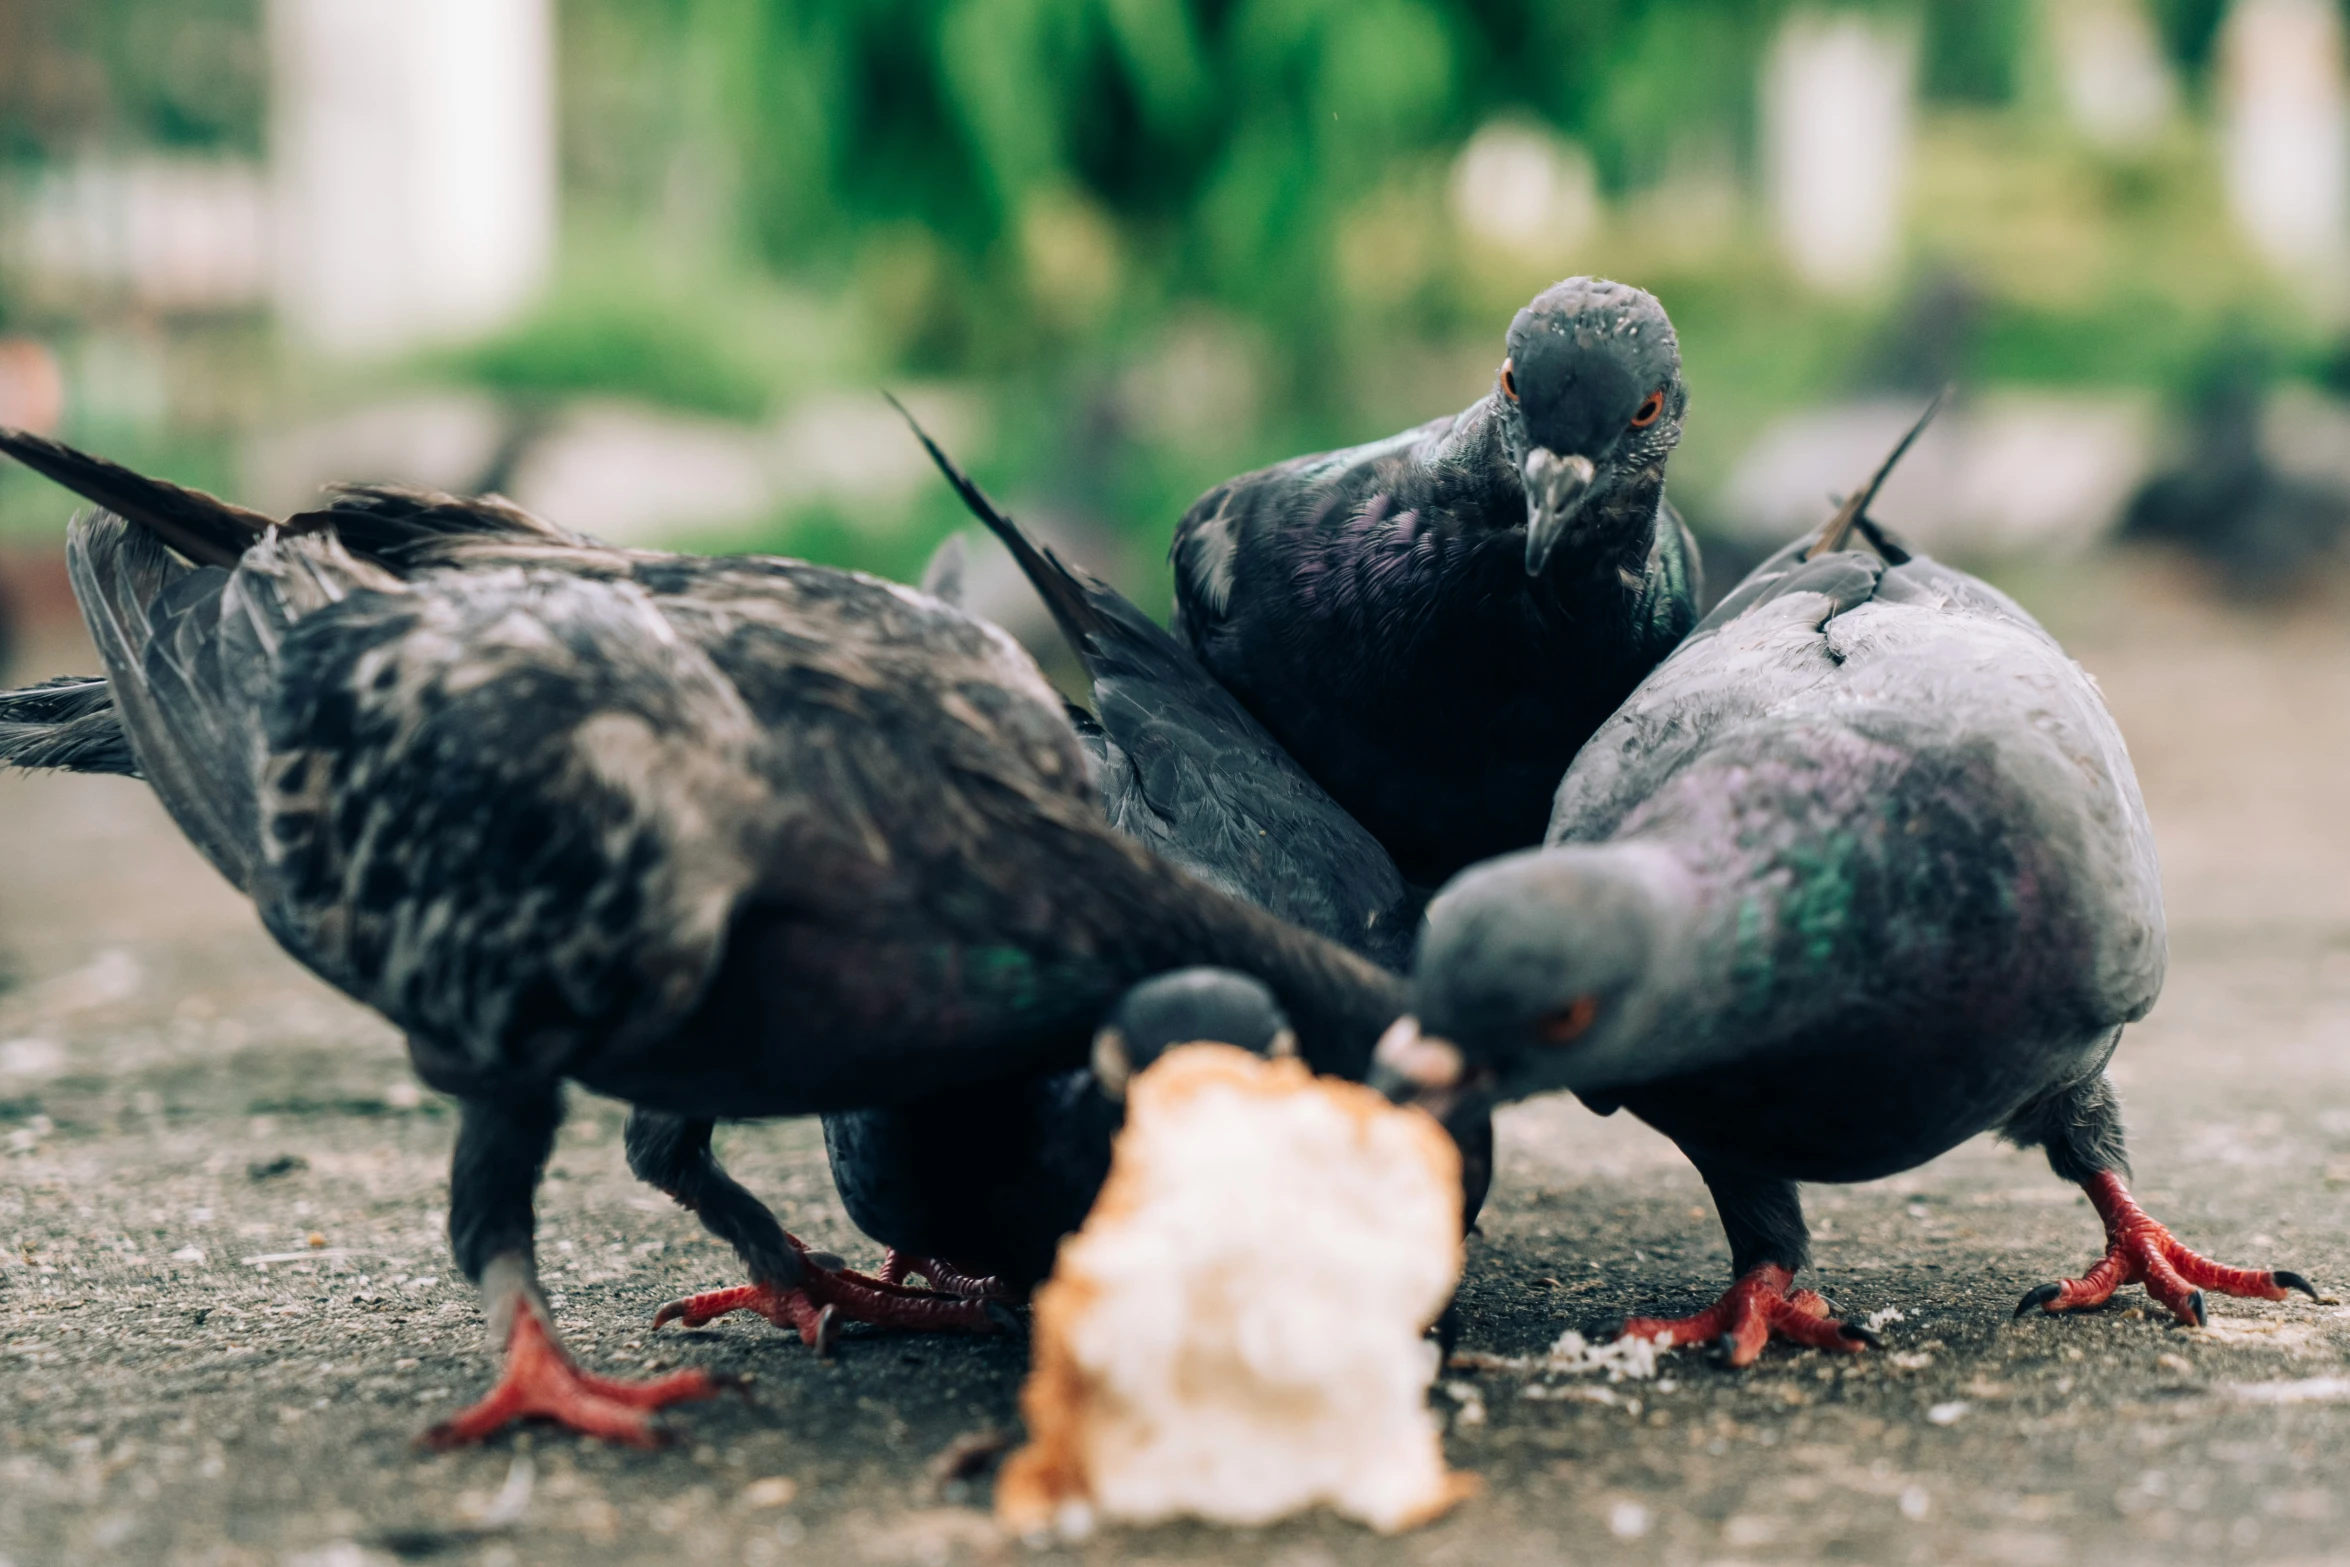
(226,1305)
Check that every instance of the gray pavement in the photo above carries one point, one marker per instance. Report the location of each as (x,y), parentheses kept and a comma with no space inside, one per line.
(179,1105)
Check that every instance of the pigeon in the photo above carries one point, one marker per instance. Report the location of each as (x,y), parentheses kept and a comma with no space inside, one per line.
(972,1189)
(716,837)
(1860,871)
(993,1175)
(1433,624)
(2266,531)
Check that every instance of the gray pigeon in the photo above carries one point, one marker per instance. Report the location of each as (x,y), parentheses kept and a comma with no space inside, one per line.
(1861,871)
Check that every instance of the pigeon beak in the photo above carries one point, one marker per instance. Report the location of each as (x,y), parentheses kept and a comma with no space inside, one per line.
(1113,1068)
(1418,1069)
(1556,488)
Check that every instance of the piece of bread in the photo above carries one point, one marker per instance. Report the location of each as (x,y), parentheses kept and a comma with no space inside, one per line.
(1238,1331)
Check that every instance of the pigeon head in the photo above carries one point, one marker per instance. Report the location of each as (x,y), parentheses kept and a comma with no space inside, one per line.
(1537,971)
(1590,396)
(1183,1008)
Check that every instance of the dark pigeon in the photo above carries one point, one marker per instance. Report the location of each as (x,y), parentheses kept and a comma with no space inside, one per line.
(981,1193)
(1859,872)
(1184,1008)
(2265,532)
(1433,624)
(993,1176)
(718,837)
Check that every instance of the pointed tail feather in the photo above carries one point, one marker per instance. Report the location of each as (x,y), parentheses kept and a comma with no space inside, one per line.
(388,524)
(207,531)
(1854,512)
(1076,599)
(65,725)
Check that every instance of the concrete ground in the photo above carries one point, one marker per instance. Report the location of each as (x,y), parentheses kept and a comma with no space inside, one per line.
(226,1306)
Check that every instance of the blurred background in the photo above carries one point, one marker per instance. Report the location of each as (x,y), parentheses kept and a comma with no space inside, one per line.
(641,264)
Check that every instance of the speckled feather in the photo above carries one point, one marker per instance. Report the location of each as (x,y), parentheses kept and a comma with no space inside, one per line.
(517,807)
(728,837)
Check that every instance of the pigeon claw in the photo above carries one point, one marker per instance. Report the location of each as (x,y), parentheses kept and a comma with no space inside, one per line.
(2140,1251)
(826,1333)
(1752,1312)
(709,1306)
(942,1276)
(541,1382)
(2287,1279)
(825,1298)
(2037,1295)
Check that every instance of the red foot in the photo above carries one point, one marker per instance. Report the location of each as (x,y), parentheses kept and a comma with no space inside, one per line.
(540,1380)
(2140,1251)
(1746,1318)
(898,1266)
(827,1297)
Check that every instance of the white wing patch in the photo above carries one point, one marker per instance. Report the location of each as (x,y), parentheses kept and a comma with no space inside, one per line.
(1208,554)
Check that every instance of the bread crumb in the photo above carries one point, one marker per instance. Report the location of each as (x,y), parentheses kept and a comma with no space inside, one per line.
(1237,1333)
(1619,1359)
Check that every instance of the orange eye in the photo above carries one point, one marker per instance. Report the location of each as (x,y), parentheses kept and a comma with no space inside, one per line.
(1563,1026)
(1509,379)
(1650,406)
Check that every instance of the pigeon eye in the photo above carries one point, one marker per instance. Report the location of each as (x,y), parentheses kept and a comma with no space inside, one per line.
(1650,406)
(1569,1022)
(1509,379)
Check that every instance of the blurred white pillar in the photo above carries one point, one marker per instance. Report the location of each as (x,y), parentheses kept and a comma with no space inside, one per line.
(2109,64)
(2286,115)
(1836,99)
(414,151)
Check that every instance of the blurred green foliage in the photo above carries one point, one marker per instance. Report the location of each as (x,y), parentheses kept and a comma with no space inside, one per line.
(1175,238)
(1001,176)
(1971,49)
(2189,28)
(172,73)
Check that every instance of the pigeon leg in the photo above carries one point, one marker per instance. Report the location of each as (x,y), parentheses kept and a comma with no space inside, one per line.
(2140,1251)
(2081,1128)
(824,1298)
(1763,1217)
(541,1381)
(790,1286)
(1750,1314)
(502,1145)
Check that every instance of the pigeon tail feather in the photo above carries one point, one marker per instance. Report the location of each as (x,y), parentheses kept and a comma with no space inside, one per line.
(1086,610)
(138,603)
(206,530)
(191,655)
(1853,513)
(65,725)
